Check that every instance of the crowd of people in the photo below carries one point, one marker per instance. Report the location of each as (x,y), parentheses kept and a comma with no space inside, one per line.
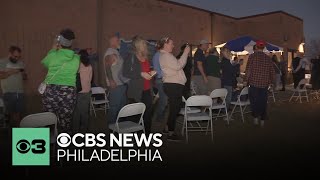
(133,78)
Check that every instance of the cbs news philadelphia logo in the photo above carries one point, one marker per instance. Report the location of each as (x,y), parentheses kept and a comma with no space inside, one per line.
(31,146)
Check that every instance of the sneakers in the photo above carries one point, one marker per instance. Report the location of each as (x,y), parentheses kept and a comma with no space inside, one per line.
(173,137)
(256,121)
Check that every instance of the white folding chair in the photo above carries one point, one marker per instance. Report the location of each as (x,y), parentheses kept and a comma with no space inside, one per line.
(314,93)
(42,120)
(300,90)
(241,104)
(189,110)
(198,101)
(103,103)
(129,126)
(220,94)
(271,93)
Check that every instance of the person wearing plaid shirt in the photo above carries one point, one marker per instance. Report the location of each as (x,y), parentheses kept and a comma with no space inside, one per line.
(259,75)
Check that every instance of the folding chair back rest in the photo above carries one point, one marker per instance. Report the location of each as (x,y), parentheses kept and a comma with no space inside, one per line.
(132,109)
(184,99)
(302,84)
(219,93)
(98,90)
(39,120)
(244,91)
(199,100)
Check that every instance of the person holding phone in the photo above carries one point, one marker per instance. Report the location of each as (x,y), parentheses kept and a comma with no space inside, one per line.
(173,79)
(12,75)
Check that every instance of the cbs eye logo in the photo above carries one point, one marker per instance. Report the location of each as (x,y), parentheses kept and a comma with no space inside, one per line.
(37,146)
(63,140)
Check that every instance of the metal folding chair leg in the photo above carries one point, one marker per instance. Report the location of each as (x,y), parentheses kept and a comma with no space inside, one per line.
(242,114)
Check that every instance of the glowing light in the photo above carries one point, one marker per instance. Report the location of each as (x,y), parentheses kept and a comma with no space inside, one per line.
(301,48)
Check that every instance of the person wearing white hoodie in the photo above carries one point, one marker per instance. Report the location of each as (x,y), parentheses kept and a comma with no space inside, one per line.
(173,79)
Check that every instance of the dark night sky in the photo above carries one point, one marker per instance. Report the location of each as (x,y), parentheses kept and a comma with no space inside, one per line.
(308,10)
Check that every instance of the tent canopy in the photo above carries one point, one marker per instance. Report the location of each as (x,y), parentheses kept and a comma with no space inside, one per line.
(244,45)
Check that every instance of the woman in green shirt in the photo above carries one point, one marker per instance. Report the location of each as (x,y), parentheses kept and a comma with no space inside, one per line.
(60,94)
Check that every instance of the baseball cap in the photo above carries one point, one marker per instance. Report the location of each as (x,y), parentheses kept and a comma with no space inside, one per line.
(204,42)
(260,43)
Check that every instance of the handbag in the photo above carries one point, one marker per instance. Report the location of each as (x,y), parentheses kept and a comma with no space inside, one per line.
(43,86)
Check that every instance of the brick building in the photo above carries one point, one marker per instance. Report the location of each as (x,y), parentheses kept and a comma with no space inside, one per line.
(33,25)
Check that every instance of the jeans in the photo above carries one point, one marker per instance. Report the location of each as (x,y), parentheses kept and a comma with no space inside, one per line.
(174,92)
(163,100)
(81,113)
(258,101)
(229,95)
(14,102)
(118,99)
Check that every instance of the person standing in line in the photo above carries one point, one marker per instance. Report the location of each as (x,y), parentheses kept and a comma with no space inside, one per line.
(260,75)
(174,80)
(228,75)
(163,99)
(12,74)
(81,113)
(60,94)
(188,68)
(315,73)
(284,72)
(113,64)
(276,66)
(199,74)
(298,73)
(213,68)
(136,67)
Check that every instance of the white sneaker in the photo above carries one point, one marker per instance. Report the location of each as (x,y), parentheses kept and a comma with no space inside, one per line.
(262,123)
(256,121)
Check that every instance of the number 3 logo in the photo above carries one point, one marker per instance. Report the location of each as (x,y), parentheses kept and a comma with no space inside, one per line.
(38,146)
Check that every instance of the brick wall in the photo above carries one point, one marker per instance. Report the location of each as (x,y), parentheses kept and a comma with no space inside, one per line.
(33,24)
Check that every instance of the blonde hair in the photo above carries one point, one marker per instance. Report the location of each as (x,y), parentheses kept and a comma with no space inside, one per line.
(140,47)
